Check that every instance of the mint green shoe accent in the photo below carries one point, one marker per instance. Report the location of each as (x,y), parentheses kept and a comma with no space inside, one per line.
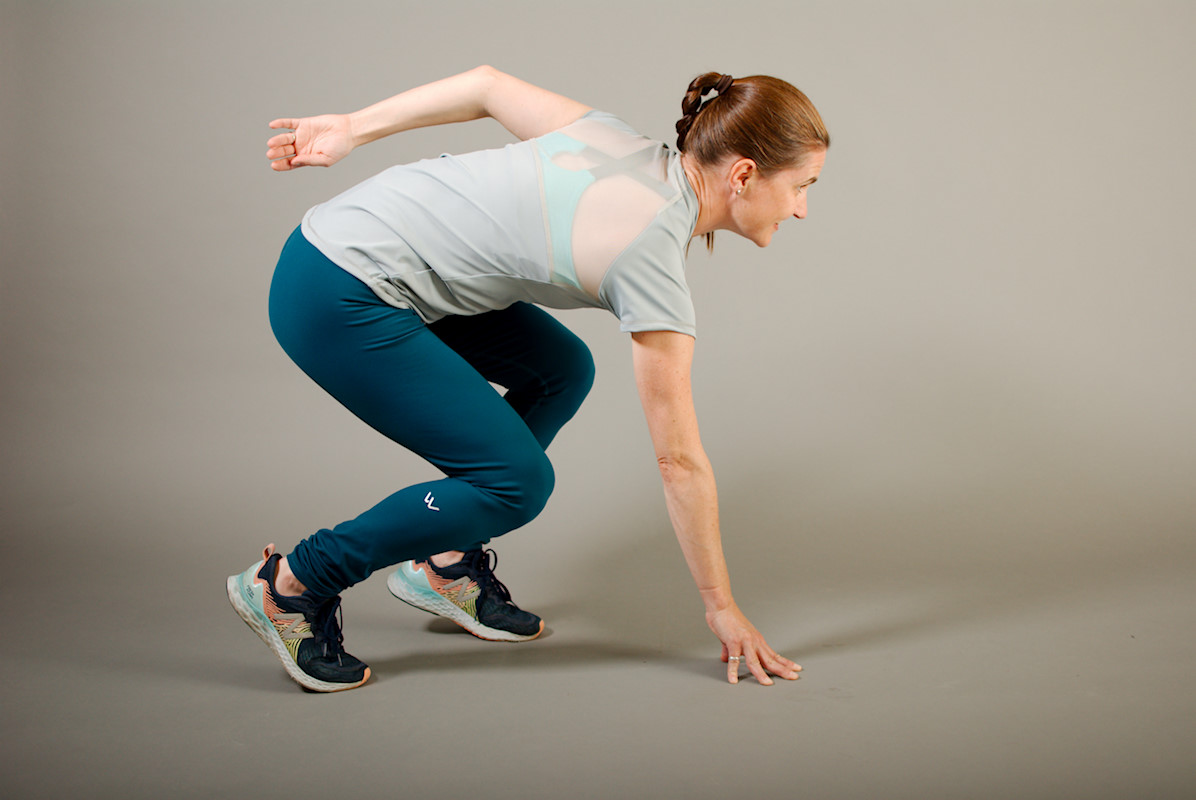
(283,632)
(409,583)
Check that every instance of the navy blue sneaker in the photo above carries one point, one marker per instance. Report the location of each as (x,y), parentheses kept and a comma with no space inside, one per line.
(467,593)
(303,631)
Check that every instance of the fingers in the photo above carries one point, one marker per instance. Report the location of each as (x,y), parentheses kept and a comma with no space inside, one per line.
(280,149)
(283,152)
(312,160)
(758,670)
(778,665)
(744,646)
(754,667)
(281,140)
(294,162)
(762,663)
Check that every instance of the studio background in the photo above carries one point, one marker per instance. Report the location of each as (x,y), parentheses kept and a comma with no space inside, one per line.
(951,415)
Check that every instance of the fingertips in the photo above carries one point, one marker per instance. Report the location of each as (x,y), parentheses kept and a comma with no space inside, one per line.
(784,668)
(759,669)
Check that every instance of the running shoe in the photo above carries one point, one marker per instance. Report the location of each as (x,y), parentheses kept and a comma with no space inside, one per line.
(303,631)
(467,593)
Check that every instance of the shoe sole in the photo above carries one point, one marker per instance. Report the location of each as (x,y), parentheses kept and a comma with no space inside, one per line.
(425,598)
(261,625)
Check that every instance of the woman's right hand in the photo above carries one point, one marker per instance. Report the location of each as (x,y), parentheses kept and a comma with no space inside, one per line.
(744,645)
(310,142)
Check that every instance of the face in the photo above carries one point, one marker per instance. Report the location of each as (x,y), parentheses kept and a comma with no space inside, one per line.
(760,204)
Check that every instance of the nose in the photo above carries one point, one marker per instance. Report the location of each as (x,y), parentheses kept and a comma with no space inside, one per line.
(800,210)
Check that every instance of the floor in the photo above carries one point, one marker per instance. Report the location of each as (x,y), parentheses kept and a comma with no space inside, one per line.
(1032,670)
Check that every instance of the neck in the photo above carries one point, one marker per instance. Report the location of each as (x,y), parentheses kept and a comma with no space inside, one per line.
(710,210)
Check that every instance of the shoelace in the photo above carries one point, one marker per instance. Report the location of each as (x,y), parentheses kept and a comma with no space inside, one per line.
(327,628)
(482,564)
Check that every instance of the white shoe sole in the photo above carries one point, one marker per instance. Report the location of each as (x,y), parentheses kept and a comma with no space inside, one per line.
(408,588)
(265,631)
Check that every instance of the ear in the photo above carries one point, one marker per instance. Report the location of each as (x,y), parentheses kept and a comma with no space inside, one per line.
(741,171)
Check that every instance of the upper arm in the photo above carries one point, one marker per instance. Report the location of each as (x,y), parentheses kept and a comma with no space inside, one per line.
(526,110)
(662,361)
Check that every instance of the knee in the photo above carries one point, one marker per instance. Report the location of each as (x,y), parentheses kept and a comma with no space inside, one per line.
(585,370)
(532,482)
(579,370)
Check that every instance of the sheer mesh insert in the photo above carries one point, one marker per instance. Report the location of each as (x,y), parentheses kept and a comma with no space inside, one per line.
(603,187)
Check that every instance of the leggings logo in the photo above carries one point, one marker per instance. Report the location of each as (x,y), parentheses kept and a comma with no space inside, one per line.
(429,500)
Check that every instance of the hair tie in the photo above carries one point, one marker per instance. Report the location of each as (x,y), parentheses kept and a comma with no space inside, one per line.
(723,84)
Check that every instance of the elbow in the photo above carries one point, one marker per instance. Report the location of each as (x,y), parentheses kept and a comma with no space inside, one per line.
(486,75)
(679,468)
(485,78)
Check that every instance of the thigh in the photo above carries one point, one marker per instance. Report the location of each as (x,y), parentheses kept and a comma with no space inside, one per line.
(515,346)
(545,368)
(386,366)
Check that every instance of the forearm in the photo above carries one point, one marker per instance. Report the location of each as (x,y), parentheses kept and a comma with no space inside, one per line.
(692,500)
(457,99)
(662,373)
(662,368)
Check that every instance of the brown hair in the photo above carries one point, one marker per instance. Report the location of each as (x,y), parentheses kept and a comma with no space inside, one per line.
(759,117)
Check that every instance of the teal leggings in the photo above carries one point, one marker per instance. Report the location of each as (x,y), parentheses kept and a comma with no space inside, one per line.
(427,387)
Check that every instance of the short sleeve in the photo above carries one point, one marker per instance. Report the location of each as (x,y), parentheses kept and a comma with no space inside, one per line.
(646,288)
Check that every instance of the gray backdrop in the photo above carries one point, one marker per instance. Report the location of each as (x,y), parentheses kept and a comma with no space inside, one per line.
(951,414)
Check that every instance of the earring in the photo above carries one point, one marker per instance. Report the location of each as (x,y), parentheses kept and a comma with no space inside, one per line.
(739,191)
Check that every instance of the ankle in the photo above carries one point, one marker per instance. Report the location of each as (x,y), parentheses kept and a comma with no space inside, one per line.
(285,582)
(447,558)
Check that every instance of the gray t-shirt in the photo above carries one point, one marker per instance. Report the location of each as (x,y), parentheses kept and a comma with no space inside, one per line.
(592,215)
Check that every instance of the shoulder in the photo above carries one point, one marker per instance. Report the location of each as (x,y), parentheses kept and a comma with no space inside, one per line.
(597,121)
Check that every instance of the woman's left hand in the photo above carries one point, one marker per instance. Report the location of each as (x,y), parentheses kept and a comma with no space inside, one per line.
(312,142)
(743,644)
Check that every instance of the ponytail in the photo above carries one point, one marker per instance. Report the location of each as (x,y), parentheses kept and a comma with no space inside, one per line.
(692,104)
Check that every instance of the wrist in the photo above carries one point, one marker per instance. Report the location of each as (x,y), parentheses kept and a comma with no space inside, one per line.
(717,599)
(359,129)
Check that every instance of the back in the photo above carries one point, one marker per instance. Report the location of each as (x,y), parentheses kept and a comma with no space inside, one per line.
(580,217)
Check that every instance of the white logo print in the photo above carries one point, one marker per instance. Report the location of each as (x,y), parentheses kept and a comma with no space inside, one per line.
(429,500)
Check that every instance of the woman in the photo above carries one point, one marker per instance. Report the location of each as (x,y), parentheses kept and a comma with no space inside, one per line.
(408,295)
